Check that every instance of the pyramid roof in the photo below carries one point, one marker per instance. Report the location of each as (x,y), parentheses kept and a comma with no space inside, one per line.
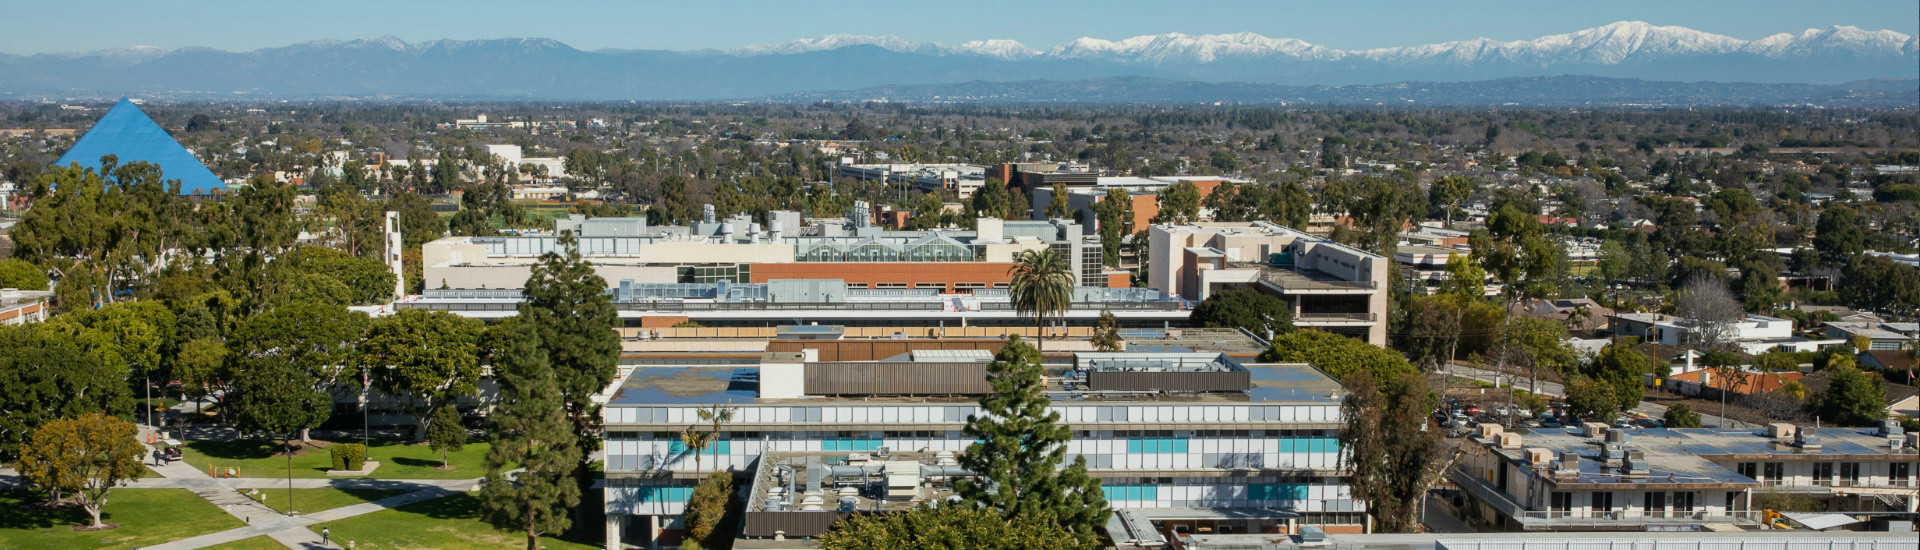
(130,135)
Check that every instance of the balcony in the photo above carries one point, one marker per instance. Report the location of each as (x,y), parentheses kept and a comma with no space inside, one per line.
(1294,280)
(1319,319)
(1552,520)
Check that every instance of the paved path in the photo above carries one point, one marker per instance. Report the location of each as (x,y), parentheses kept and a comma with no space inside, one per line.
(1554,389)
(290,531)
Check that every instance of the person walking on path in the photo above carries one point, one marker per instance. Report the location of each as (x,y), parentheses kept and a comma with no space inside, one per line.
(325,535)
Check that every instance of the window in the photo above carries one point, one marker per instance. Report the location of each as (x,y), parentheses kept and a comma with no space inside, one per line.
(890,285)
(1602,504)
(1749,469)
(1898,472)
(1775,472)
(1850,473)
(936,286)
(1683,502)
(1823,473)
(1562,502)
(1656,502)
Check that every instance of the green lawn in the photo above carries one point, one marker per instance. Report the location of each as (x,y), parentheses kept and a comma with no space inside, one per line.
(261,542)
(448,522)
(398,460)
(146,517)
(308,501)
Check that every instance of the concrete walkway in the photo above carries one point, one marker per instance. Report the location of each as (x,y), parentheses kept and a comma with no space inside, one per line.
(290,531)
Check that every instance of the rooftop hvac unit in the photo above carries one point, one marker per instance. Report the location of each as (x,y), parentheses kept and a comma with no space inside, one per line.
(1616,435)
(1508,440)
(1891,428)
(1569,464)
(1593,429)
(1489,431)
(1780,430)
(1538,456)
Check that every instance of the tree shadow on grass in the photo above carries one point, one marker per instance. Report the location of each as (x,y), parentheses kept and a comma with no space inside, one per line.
(460,506)
(27,510)
(237,449)
(415,462)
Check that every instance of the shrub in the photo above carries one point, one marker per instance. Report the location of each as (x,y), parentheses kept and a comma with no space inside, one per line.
(349,456)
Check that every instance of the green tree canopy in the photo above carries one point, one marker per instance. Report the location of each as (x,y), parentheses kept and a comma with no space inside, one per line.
(44,375)
(1394,459)
(1679,415)
(22,274)
(1592,400)
(1020,446)
(1625,369)
(274,396)
(951,528)
(430,355)
(530,431)
(1852,398)
(84,456)
(1257,312)
(1041,285)
(1338,356)
(567,303)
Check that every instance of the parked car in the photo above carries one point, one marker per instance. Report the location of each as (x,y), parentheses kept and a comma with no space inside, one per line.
(1472,410)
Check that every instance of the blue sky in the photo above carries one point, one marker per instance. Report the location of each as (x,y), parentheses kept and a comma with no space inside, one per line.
(41,26)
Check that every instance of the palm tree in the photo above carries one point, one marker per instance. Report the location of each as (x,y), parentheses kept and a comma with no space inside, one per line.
(697,440)
(1041,283)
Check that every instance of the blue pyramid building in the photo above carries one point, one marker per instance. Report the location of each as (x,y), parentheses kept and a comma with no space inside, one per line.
(129,134)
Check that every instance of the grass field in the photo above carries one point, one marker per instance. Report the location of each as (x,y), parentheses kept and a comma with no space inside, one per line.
(398,460)
(451,522)
(261,542)
(308,501)
(146,517)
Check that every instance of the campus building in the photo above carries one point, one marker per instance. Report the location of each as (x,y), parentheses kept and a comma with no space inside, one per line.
(733,273)
(19,307)
(1331,286)
(962,179)
(1754,334)
(1183,440)
(131,136)
(1592,477)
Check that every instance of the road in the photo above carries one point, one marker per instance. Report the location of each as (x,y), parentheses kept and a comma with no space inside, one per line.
(1554,389)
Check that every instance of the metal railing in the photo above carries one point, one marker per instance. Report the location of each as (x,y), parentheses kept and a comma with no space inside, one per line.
(1363,317)
(1638,517)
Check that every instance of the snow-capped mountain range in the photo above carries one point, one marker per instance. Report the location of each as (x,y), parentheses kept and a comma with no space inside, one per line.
(1609,44)
(538,68)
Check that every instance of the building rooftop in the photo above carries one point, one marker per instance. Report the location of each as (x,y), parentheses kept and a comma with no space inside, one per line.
(739,385)
(14,297)
(1682,456)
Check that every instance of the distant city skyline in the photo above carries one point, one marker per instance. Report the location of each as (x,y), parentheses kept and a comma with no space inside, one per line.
(588,25)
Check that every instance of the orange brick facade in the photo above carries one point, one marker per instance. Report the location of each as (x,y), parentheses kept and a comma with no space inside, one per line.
(873,275)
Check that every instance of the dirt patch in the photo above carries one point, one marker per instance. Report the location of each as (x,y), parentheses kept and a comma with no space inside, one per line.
(446,468)
(104,526)
(299,448)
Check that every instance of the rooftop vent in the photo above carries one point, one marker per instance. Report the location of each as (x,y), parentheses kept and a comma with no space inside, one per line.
(1807,439)
(1616,435)
(1508,440)
(1636,464)
(1891,428)
(1569,464)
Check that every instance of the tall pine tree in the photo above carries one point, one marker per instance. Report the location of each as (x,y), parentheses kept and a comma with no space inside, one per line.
(568,304)
(1021,447)
(531,432)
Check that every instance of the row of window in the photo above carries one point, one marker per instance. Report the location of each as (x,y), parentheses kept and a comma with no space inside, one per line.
(719,447)
(1653,501)
(1823,472)
(1262,491)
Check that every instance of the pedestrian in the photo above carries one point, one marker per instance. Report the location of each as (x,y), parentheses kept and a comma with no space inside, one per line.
(156,457)
(325,535)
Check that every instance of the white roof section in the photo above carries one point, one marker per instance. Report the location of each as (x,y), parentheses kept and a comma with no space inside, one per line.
(1820,521)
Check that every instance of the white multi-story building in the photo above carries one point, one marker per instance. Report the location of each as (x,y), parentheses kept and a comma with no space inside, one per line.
(1588,478)
(1331,286)
(1171,436)
(19,307)
(1754,334)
